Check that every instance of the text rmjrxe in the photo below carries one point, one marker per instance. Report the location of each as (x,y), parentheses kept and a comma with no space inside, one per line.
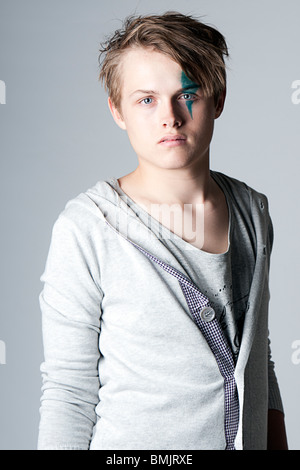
(155,459)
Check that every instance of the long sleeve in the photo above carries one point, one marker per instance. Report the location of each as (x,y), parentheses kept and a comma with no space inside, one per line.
(71,309)
(275,401)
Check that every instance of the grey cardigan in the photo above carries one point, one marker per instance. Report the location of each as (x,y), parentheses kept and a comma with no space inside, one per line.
(126,366)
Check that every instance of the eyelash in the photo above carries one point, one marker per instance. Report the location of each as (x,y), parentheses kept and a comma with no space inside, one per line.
(191,95)
(144,99)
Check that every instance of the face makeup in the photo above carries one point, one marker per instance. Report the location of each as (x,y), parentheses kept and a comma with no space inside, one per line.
(189,87)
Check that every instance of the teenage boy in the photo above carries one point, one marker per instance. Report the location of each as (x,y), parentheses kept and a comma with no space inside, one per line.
(155,299)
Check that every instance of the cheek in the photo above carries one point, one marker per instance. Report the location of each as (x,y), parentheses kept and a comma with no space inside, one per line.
(139,134)
(203,126)
(204,114)
(138,125)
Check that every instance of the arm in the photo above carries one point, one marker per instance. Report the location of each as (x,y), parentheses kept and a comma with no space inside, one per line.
(70,304)
(277,439)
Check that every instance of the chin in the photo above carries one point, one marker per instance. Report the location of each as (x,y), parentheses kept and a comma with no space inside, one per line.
(176,161)
(173,159)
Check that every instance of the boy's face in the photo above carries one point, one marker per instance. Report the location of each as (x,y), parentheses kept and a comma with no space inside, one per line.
(168,120)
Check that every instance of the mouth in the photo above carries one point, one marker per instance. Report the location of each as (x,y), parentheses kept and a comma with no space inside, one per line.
(173,140)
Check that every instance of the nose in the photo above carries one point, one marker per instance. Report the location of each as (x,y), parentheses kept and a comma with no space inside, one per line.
(170,116)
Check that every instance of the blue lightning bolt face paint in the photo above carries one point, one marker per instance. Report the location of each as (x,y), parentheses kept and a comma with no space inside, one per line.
(188,86)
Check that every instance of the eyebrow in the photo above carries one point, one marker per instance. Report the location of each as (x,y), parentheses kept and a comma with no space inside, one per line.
(192,88)
(145,92)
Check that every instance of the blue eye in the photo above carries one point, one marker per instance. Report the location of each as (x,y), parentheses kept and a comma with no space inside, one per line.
(147,100)
(188,96)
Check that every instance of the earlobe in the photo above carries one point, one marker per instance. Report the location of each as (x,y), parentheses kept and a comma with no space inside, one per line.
(116,115)
(220,104)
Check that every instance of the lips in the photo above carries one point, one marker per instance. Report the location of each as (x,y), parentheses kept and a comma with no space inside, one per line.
(172,138)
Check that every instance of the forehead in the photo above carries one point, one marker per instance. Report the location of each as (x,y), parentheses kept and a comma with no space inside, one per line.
(144,67)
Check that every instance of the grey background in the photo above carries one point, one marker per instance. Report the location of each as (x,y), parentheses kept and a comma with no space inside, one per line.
(57,138)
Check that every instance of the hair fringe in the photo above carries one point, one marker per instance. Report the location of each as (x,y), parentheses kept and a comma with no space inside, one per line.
(198,48)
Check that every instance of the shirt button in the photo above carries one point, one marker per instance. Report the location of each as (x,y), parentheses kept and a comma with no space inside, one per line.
(207,314)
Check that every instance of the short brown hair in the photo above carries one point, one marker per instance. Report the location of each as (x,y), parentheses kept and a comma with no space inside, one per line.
(198,48)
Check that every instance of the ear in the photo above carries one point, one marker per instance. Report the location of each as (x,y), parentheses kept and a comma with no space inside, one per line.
(116,115)
(220,103)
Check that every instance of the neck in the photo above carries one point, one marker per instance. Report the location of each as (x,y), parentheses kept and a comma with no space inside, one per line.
(176,186)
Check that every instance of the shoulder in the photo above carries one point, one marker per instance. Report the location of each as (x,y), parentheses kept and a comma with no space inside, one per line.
(88,204)
(241,192)
(84,212)
(252,205)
